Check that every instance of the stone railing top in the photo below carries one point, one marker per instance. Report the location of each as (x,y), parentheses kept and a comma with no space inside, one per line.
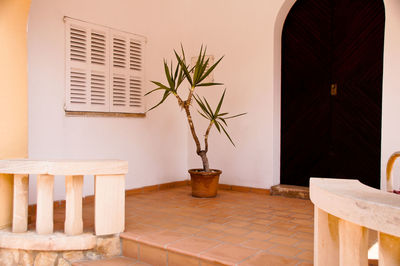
(355,202)
(64,167)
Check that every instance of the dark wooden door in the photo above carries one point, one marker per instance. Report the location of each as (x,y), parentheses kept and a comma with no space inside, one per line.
(328,132)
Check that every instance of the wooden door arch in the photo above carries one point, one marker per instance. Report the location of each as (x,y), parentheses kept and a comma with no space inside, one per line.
(331,91)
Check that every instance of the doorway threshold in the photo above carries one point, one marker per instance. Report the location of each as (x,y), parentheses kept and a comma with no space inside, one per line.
(290,191)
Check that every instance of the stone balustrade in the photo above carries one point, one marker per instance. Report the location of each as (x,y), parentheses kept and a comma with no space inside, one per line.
(345,210)
(109,203)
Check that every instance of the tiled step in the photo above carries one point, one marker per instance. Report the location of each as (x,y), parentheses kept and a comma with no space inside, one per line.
(290,191)
(154,253)
(195,251)
(117,261)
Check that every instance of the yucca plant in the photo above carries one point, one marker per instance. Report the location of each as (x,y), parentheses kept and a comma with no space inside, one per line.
(195,76)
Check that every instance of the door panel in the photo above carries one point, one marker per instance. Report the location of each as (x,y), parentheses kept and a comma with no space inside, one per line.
(308,69)
(325,42)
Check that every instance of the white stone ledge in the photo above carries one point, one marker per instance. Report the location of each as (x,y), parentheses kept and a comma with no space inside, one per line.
(56,241)
(64,167)
(360,204)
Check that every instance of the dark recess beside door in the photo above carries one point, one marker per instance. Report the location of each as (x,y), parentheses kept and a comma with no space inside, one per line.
(332,64)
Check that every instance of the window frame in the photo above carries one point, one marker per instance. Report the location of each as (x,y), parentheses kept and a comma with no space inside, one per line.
(95,83)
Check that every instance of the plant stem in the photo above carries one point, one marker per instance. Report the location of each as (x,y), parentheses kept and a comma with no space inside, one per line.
(201,153)
(192,129)
(206,136)
(180,102)
(204,159)
(189,98)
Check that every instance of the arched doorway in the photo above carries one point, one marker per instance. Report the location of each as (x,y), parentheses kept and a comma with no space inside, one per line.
(331,91)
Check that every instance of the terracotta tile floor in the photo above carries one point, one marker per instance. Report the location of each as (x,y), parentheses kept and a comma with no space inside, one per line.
(235,228)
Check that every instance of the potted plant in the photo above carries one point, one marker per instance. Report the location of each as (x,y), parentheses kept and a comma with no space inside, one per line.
(204,181)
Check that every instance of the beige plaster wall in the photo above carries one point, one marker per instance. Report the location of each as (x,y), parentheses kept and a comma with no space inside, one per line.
(13,93)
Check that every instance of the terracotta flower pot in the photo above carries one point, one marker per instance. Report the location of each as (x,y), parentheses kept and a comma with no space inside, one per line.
(204,184)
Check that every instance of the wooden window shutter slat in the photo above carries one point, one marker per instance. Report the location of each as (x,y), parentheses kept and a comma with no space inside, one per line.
(87,67)
(104,69)
(127,55)
(136,79)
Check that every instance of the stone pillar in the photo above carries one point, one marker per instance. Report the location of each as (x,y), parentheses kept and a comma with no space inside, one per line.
(109,201)
(389,250)
(20,204)
(353,245)
(13,94)
(326,238)
(6,200)
(73,209)
(44,207)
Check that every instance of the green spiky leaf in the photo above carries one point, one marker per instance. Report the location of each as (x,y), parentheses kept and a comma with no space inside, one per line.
(203,115)
(226,133)
(167,75)
(230,117)
(210,70)
(197,66)
(223,121)
(203,107)
(203,68)
(209,84)
(220,103)
(161,85)
(165,96)
(183,53)
(157,89)
(176,71)
(184,68)
(209,107)
(217,125)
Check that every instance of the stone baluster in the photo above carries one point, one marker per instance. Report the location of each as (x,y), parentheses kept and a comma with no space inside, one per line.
(44,211)
(109,204)
(389,250)
(353,244)
(326,238)
(20,205)
(73,209)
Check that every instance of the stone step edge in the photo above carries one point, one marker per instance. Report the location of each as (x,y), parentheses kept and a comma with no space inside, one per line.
(105,247)
(131,248)
(117,260)
(290,191)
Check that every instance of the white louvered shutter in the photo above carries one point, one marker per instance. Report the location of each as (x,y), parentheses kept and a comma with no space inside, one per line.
(127,73)
(87,67)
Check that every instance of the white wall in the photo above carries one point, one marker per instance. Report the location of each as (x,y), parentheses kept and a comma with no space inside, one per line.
(249,34)
(159,147)
(155,146)
(244,33)
(391,90)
